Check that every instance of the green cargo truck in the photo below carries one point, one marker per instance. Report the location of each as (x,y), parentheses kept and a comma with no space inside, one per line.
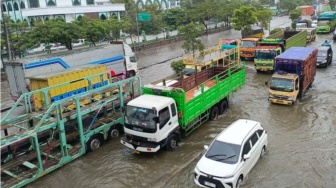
(163,113)
(276,44)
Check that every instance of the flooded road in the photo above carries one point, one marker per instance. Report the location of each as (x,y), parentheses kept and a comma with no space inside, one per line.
(302,137)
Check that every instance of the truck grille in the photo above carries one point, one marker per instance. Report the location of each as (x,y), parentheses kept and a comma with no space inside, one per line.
(136,138)
(281,97)
(202,179)
(262,64)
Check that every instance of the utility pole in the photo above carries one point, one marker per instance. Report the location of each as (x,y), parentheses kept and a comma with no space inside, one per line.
(8,45)
(137,22)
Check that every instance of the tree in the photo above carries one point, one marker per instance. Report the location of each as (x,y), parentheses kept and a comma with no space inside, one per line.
(244,17)
(155,25)
(264,17)
(93,29)
(294,15)
(115,26)
(288,5)
(177,66)
(190,33)
(203,12)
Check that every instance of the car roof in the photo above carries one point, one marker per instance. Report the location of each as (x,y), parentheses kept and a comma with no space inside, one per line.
(237,131)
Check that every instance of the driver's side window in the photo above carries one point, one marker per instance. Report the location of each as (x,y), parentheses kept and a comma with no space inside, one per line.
(164,116)
(247,147)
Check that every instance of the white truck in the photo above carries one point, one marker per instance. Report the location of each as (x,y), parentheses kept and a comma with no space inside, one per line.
(118,56)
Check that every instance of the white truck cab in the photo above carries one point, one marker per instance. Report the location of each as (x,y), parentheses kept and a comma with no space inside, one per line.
(151,123)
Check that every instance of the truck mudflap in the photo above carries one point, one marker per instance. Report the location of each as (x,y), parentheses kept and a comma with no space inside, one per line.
(138,146)
(281,101)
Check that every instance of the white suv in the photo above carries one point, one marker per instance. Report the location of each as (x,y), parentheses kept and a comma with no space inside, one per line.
(231,155)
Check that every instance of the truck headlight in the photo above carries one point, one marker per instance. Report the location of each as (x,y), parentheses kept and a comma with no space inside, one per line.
(290,98)
(324,61)
(151,139)
(271,96)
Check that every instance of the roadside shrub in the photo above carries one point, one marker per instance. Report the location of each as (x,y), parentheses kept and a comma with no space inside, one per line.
(275,30)
(177,66)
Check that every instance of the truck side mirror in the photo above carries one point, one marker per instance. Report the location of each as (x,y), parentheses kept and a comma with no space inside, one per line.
(266,83)
(123,109)
(156,119)
(296,87)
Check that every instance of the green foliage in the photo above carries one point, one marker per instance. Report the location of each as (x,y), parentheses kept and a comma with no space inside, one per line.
(174,17)
(203,12)
(244,17)
(190,33)
(264,17)
(275,30)
(177,66)
(155,25)
(295,14)
(288,4)
(114,26)
(293,25)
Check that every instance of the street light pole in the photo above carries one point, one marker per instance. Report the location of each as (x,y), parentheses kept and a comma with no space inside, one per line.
(138,29)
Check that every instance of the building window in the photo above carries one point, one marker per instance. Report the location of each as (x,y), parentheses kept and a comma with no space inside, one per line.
(4,7)
(9,7)
(33,4)
(76,2)
(51,3)
(90,2)
(16,6)
(22,5)
(79,18)
(103,16)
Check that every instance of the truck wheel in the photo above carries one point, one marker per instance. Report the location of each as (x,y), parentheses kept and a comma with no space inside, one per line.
(113,133)
(223,105)
(130,74)
(93,143)
(172,143)
(214,113)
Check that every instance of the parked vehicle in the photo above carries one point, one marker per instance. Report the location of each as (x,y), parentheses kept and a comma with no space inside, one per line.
(334,35)
(119,58)
(326,22)
(314,23)
(36,143)
(158,118)
(232,155)
(324,56)
(295,70)
(274,45)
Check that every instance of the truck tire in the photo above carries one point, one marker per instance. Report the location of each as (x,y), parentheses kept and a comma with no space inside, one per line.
(223,105)
(113,133)
(214,113)
(93,143)
(172,142)
(130,74)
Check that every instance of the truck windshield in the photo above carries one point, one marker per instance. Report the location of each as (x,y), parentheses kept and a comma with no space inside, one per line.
(223,152)
(263,54)
(282,84)
(323,23)
(301,25)
(133,59)
(140,117)
(247,44)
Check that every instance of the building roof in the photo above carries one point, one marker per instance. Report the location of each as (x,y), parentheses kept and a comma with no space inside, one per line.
(296,53)
(237,131)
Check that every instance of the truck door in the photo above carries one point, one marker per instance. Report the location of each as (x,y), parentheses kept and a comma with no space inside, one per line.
(167,121)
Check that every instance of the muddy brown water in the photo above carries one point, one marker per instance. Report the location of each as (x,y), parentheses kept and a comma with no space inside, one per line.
(302,137)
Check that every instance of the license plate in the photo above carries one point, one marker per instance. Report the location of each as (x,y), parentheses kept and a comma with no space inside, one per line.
(264,69)
(209,184)
(136,152)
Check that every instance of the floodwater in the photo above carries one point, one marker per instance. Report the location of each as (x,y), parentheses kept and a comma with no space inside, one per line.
(302,137)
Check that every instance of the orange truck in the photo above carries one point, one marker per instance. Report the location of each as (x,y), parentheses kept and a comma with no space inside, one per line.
(249,41)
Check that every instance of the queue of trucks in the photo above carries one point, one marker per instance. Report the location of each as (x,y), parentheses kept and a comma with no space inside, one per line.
(69,113)
(274,45)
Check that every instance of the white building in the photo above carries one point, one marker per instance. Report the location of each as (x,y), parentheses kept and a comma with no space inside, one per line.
(69,10)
